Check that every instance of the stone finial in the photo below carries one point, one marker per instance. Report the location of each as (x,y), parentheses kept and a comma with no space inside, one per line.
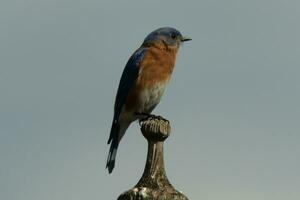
(154,184)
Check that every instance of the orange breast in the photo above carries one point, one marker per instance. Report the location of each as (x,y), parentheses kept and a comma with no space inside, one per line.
(155,68)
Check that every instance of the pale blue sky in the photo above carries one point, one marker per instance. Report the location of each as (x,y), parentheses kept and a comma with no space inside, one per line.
(233,101)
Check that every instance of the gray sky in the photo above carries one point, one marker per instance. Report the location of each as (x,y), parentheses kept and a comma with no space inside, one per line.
(233,101)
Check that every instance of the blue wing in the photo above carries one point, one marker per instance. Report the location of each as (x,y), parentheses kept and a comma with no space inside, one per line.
(128,78)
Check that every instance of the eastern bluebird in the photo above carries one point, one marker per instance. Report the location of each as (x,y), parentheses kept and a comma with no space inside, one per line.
(143,83)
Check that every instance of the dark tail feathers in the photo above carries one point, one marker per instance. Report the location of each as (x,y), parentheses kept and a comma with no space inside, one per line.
(112,156)
(113,139)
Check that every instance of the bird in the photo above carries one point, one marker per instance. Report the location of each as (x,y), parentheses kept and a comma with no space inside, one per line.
(143,83)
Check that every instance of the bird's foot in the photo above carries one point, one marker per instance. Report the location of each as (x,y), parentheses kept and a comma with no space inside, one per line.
(146,116)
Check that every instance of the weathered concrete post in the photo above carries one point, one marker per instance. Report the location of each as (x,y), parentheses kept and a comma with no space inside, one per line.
(154,184)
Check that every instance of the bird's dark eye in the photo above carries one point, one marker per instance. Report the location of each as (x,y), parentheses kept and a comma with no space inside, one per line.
(173,35)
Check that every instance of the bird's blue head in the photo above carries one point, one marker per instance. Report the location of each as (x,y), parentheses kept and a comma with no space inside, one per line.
(166,35)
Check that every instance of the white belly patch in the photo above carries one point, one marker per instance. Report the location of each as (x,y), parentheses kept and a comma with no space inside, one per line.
(151,96)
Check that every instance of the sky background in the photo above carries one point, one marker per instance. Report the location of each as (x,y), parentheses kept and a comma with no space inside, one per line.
(233,101)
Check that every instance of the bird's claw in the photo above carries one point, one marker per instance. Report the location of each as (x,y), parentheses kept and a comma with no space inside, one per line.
(147,116)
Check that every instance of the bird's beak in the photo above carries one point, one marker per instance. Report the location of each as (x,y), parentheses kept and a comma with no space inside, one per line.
(184,39)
